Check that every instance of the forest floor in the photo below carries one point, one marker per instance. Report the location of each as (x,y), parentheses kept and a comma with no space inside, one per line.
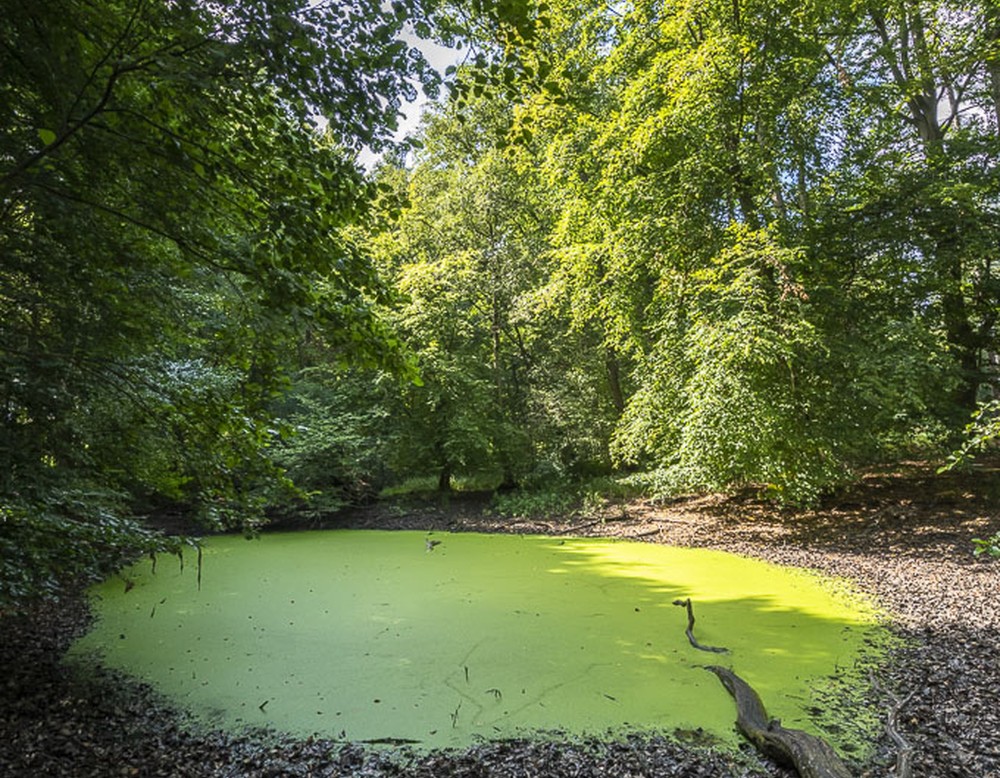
(903,535)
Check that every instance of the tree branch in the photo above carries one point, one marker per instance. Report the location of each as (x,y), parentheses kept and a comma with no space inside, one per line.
(690,630)
(67,132)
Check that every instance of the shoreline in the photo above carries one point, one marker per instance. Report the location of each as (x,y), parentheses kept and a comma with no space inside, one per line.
(916,563)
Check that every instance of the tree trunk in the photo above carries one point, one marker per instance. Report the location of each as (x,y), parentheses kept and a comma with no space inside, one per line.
(959,332)
(992,62)
(811,756)
(444,478)
(614,379)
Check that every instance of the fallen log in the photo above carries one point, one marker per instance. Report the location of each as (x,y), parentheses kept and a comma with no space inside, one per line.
(813,757)
(580,527)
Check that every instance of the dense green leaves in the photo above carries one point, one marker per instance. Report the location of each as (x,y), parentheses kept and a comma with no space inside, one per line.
(766,226)
(70,538)
(735,243)
(172,222)
(787,250)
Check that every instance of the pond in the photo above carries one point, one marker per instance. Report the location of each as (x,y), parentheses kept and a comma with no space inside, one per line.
(440,639)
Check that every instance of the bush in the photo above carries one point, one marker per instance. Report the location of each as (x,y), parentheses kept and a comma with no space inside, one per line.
(554,501)
(334,457)
(73,538)
(990,546)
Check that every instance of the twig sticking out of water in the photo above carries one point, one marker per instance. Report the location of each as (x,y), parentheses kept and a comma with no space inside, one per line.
(690,630)
(454,716)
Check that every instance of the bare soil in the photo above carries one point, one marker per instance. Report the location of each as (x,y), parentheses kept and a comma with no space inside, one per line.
(903,535)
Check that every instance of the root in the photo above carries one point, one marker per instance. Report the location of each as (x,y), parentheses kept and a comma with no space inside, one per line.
(904,749)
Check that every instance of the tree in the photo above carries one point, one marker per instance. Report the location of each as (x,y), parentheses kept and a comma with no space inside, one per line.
(458,257)
(723,174)
(504,389)
(774,222)
(171,218)
(920,88)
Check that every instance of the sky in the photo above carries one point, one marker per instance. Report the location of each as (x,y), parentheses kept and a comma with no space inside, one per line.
(439,57)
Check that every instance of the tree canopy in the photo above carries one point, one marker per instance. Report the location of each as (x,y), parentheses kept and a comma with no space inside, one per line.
(719,243)
(176,182)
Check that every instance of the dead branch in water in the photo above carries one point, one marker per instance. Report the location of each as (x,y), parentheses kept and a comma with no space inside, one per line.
(813,757)
(690,629)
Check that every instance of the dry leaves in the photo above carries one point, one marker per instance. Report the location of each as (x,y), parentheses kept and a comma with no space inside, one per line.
(903,537)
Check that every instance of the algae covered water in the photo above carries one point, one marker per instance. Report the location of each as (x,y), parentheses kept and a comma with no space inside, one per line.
(386,637)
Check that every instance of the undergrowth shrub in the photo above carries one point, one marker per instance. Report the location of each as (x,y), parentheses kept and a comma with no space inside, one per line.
(536,504)
(71,538)
(989,546)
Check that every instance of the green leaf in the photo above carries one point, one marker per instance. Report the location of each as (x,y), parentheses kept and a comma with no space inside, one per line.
(48,137)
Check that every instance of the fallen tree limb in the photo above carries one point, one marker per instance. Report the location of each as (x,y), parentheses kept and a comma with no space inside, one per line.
(904,750)
(811,756)
(580,527)
(690,630)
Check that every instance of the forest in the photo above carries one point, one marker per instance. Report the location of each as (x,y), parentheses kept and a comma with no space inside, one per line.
(635,256)
(651,247)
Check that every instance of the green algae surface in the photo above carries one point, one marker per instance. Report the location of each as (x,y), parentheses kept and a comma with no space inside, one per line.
(375,636)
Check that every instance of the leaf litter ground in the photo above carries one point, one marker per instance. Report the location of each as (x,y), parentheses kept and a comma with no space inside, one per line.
(903,536)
